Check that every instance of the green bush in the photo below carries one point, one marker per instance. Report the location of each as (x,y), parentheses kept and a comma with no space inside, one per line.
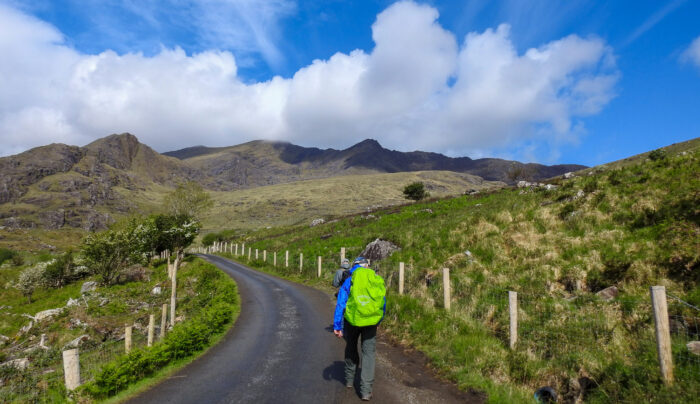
(218,306)
(6,254)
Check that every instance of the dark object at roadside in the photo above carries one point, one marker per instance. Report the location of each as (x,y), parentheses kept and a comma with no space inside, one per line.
(546,395)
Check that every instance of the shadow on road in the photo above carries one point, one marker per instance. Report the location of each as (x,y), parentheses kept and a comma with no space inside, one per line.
(336,371)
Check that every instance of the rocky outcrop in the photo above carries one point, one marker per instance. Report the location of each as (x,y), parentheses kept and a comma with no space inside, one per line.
(379,249)
(87,287)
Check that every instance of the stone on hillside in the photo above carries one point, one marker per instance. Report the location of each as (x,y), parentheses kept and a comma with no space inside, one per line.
(72,302)
(156,291)
(75,322)
(19,364)
(550,187)
(379,249)
(42,342)
(77,342)
(88,286)
(26,328)
(471,191)
(4,338)
(569,175)
(316,222)
(694,347)
(608,293)
(135,273)
(523,184)
(42,315)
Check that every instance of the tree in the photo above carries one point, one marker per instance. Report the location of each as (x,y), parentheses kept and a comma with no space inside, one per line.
(108,253)
(60,271)
(189,200)
(30,279)
(415,191)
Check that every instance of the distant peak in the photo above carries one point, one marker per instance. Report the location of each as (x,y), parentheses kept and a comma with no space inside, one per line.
(368,143)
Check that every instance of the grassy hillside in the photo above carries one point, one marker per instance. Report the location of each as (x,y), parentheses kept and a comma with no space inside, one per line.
(204,294)
(629,227)
(302,201)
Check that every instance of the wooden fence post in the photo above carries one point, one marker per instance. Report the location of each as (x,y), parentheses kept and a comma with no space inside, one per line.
(71,368)
(173,291)
(151,328)
(342,254)
(256,254)
(236,248)
(446,287)
(286,259)
(513,310)
(319,266)
(250,252)
(163,320)
(301,261)
(127,338)
(264,255)
(243,249)
(274,259)
(401,277)
(663,332)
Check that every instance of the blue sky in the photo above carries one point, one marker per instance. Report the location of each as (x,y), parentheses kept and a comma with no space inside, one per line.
(549,81)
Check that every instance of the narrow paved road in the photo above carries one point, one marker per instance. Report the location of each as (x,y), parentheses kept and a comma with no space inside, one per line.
(282,349)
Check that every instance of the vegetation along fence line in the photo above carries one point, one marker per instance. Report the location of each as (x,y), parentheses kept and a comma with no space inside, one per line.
(525,321)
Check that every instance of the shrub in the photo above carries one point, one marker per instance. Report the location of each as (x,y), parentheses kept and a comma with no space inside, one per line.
(658,154)
(6,255)
(415,191)
(30,279)
(59,271)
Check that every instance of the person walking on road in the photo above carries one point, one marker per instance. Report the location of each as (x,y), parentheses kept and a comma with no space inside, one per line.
(360,308)
(342,274)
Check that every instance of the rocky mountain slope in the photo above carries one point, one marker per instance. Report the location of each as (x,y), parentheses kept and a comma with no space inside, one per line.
(57,185)
(266,163)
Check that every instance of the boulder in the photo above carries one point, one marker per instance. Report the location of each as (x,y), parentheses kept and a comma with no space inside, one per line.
(569,175)
(523,184)
(550,187)
(316,222)
(608,293)
(694,347)
(379,249)
(88,286)
(72,302)
(471,191)
(20,364)
(42,315)
(77,342)
(156,291)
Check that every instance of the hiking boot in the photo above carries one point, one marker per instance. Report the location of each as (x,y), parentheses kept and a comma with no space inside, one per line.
(367,397)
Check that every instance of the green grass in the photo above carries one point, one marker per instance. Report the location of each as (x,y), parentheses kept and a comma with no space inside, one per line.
(199,284)
(635,226)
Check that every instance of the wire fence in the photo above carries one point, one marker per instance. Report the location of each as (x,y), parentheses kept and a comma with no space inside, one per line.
(41,378)
(565,336)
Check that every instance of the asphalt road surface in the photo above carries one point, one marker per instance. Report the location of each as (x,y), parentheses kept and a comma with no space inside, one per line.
(282,350)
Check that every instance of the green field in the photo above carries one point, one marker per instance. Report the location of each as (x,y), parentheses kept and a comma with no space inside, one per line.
(631,227)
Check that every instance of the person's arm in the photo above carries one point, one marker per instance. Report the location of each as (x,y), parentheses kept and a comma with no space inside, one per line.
(342,301)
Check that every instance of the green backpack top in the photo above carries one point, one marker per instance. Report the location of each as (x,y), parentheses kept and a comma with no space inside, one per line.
(366,301)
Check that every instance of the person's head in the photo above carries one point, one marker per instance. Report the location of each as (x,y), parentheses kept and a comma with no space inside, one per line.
(345,263)
(361,261)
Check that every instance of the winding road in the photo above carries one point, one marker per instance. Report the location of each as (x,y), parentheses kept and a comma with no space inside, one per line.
(282,349)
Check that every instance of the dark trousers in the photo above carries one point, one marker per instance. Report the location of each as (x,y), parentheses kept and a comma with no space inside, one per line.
(367,335)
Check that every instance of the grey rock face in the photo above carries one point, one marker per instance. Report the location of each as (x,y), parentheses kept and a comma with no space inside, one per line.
(77,342)
(19,364)
(608,294)
(43,315)
(88,286)
(694,347)
(379,249)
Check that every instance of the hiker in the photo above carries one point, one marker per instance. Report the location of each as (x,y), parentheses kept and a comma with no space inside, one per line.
(342,274)
(359,310)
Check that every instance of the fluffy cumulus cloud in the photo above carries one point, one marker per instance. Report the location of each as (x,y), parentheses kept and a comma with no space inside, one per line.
(692,54)
(419,88)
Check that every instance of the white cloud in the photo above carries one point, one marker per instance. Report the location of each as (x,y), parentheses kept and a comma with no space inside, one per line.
(417,89)
(692,54)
